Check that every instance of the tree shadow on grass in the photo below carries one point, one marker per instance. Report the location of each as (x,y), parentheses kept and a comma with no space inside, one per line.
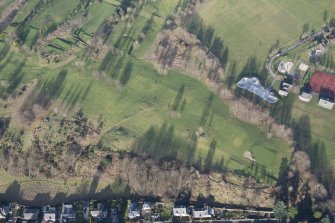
(51,90)
(15,78)
(12,193)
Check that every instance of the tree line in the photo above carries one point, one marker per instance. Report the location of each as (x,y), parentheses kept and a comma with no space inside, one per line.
(206,34)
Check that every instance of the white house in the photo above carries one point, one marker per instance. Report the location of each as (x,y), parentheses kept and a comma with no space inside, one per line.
(305,96)
(326,102)
(49,214)
(30,214)
(200,213)
(180,212)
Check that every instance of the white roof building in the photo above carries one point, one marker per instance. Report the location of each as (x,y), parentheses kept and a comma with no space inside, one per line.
(180,212)
(31,214)
(49,217)
(99,212)
(326,102)
(133,214)
(198,213)
(49,214)
(4,211)
(305,96)
(146,206)
(68,213)
(303,67)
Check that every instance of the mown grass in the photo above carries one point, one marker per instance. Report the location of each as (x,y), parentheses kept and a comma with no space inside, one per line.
(321,119)
(249,28)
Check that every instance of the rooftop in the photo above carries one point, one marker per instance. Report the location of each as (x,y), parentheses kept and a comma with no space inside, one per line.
(31,214)
(303,67)
(201,213)
(326,102)
(179,211)
(254,86)
(323,84)
(305,96)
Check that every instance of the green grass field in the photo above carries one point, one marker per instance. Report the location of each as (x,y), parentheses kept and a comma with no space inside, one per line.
(321,121)
(146,98)
(249,28)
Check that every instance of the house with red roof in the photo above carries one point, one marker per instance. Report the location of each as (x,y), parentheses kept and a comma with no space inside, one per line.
(323,84)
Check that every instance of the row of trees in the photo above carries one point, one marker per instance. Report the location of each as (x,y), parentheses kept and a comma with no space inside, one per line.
(206,34)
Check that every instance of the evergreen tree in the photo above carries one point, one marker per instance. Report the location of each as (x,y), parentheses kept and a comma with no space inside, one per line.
(280,210)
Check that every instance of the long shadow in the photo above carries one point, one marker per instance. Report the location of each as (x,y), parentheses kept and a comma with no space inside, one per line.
(51,90)
(6,62)
(116,70)
(12,193)
(4,124)
(4,51)
(75,94)
(15,78)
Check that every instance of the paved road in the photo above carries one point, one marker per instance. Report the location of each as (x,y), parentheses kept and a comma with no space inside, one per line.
(285,51)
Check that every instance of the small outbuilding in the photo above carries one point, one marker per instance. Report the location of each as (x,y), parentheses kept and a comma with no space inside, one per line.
(285,86)
(305,96)
(303,68)
(285,67)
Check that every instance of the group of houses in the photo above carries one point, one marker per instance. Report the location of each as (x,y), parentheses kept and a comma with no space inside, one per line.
(320,84)
(85,212)
(195,213)
(206,213)
(126,211)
